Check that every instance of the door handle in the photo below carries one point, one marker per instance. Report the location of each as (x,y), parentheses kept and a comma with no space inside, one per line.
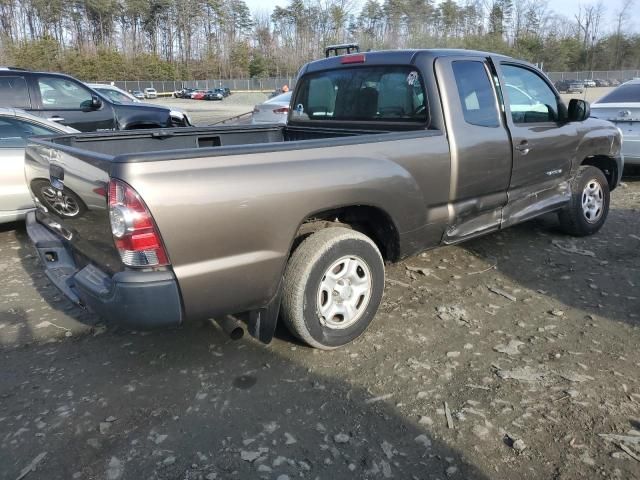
(56,119)
(524,147)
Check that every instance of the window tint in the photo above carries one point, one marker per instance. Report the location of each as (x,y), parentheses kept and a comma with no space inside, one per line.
(476,93)
(59,93)
(14,132)
(14,93)
(531,100)
(383,94)
(623,94)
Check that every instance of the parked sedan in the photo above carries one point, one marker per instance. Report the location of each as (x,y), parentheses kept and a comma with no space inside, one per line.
(198,94)
(114,93)
(590,84)
(138,94)
(150,93)
(216,94)
(575,87)
(274,110)
(622,107)
(15,127)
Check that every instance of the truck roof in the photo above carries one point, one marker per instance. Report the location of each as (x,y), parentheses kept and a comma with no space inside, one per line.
(398,57)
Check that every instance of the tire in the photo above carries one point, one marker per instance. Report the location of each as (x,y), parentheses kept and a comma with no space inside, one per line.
(589,206)
(358,272)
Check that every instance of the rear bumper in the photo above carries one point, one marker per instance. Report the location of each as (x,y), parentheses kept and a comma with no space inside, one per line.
(140,300)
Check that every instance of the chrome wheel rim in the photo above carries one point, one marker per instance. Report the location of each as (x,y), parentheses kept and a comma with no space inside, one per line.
(344,292)
(61,203)
(592,201)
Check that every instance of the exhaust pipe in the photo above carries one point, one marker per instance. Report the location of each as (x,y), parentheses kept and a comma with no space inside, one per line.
(231,326)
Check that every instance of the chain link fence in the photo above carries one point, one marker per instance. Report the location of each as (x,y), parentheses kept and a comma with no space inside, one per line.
(275,83)
(235,84)
(619,75)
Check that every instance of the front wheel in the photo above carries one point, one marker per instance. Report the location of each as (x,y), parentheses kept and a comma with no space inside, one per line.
(333,286)
(589,206)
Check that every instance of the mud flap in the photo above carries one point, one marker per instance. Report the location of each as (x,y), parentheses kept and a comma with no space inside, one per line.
(262,322)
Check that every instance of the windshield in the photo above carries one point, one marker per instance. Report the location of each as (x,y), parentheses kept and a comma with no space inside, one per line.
(114,95)
(370,94)
(629,93)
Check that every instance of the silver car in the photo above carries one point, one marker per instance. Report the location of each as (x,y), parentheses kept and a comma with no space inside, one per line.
(15,127)
(274,110)
(622,107)
(114,93)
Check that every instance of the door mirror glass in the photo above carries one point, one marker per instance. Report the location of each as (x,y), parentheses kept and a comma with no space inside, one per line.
(96,102)
(579,110)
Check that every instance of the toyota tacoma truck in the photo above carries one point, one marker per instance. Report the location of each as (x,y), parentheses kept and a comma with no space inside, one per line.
(384,155)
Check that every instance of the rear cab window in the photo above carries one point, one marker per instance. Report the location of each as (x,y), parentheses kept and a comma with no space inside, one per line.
(375,95)
(14,92)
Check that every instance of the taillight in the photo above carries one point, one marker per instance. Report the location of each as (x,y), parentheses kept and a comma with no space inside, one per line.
(281,110)
(134,231)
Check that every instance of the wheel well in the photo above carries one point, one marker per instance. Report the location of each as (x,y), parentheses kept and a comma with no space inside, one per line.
(608,166)
(371,221)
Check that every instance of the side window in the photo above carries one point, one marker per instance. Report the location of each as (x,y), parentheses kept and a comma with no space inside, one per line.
(59,93)
(476,93)
(531,100)
(14,132)
(14,93)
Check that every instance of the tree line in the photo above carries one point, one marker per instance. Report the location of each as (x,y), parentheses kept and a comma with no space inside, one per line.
(198,39)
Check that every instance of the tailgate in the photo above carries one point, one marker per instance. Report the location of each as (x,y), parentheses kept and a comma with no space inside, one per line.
(69,187)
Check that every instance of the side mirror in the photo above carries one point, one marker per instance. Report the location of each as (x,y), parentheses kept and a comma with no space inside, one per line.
(579,110)
(96,102)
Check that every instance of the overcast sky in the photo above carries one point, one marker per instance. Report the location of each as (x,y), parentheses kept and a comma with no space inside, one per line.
(564,7)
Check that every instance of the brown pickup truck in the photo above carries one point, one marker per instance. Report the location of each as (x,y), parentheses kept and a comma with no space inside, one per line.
(385,154)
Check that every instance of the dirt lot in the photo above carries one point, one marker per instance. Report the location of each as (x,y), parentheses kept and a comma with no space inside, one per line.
(512,356)
(204,112)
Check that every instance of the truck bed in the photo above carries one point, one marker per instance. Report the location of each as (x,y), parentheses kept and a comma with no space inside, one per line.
(143,145)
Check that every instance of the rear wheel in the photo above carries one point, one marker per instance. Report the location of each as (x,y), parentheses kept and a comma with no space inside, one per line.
(333,286)
(589,206)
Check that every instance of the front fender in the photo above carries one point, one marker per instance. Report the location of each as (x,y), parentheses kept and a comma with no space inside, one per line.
(599,138)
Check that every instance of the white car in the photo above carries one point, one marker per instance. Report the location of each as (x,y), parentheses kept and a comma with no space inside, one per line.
(150,93)
(113,93)
(622,107)
(15,127)
(274,110)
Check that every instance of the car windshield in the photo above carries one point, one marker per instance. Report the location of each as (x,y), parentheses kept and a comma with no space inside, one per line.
(629,93)
(114,95)
(375,94)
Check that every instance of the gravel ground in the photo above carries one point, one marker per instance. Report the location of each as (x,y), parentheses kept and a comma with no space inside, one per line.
(511,356)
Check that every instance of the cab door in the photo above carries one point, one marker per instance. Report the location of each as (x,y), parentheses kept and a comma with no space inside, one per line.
(479,144)
(544,143)
(68,102)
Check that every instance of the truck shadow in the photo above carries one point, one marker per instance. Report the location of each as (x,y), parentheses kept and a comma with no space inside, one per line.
(597,274)
(188,403)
